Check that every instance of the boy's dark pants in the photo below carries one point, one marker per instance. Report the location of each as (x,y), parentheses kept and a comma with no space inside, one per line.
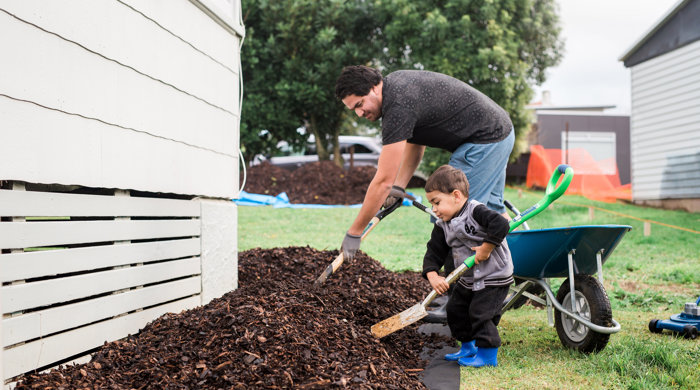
(474,315)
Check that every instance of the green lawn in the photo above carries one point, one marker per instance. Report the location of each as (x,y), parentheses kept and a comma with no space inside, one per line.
(645,277)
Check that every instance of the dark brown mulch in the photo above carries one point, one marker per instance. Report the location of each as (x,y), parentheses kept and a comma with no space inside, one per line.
(274,331)
(320,182)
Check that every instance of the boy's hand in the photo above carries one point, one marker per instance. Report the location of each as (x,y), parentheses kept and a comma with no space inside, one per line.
(438,282)
(483,252)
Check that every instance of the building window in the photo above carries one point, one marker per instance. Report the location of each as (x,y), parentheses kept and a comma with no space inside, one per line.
(590,152)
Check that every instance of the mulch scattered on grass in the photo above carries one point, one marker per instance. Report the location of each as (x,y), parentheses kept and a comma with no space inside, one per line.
(274,331)
(320,182)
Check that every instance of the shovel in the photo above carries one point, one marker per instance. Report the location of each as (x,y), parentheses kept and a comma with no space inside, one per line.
(333,266)
(417,312)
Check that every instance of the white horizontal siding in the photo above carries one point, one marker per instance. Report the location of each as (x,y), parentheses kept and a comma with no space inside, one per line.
(25,296)
(136,41)
(651,192)
(227,12)
(60,302)
(675,58)
(49,146)
(185,21)
(682,163)
(54,204)
(36,234)
(37,324)
(683,122)
(673,97)
(80,82)
(28,265)
(45,351)
(665,125)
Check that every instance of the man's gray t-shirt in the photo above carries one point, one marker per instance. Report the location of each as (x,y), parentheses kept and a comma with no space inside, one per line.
(433,109)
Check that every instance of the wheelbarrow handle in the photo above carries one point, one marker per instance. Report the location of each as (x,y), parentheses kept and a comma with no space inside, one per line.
(552,193)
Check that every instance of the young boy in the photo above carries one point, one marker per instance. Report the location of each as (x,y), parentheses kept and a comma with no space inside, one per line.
(466,227)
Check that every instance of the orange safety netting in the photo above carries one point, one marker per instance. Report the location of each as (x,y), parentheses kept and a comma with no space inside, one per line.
(592,179)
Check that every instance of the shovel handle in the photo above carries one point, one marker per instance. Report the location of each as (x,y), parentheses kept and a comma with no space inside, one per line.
(451,278)
(338,261)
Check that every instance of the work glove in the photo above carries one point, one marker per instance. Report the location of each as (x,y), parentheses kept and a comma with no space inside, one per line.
(395,195)
(350,245)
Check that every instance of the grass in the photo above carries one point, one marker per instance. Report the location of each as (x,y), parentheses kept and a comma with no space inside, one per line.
(645,277)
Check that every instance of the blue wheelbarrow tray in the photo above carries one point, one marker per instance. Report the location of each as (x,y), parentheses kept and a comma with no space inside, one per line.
(577,253)
(543,253)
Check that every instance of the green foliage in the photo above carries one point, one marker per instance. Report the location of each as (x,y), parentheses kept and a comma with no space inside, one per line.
(498,47)
(293,52)
(295,49)
(434,158)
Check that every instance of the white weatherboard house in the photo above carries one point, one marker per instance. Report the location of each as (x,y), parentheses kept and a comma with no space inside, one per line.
(119,132)
(665,118)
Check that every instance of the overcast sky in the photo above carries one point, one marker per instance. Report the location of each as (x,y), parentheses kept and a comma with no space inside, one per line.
(597,33)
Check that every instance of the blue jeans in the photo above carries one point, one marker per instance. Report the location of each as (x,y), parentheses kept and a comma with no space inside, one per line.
(485,168)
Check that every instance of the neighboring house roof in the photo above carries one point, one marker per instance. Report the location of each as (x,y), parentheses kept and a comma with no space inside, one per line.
(597,109)
(546,104)
(677,28)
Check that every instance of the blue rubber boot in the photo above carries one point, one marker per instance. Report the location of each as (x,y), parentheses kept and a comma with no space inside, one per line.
(483,357)
(467,350)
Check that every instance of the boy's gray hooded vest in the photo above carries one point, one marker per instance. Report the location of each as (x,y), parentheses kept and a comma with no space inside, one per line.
(462,233)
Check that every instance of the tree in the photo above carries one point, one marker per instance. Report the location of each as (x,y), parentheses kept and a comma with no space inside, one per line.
(293,53)
(500,47)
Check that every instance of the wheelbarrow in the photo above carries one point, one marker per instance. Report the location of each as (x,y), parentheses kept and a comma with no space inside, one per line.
(583,319)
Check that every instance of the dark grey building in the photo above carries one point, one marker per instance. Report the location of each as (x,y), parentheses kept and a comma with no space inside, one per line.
(605,137)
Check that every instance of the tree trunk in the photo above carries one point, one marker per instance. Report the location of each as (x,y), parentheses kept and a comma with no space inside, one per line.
(337,156)
(321,147)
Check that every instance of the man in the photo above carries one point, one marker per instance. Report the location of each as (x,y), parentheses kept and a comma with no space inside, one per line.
(419,109)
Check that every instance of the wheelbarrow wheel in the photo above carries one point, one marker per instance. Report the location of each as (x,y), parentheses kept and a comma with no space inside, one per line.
(593,304)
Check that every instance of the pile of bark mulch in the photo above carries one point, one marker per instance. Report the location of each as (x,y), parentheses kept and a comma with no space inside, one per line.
(275,331)
(320,182)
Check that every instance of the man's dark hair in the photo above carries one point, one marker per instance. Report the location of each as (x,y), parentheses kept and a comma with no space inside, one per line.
(447,179)
(356,80)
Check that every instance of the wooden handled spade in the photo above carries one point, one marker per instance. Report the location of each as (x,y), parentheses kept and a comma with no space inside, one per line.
(417,312)
(333,266)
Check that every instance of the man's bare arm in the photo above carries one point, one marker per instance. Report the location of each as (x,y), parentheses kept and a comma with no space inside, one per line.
(390,160)
(412,156)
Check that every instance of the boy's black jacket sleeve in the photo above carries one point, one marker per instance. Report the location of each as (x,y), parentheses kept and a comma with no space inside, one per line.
(437,251)
(496,225)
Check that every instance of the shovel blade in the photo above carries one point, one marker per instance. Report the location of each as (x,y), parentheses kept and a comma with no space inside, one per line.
(399,321)
(332,267)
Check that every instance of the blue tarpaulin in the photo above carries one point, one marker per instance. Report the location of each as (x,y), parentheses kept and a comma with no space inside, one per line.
(281,200)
